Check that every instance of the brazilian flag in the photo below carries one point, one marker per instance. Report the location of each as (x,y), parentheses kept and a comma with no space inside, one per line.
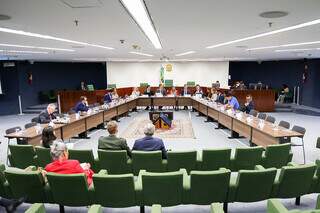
(162,75)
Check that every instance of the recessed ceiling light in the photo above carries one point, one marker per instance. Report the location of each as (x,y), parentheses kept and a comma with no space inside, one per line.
(298,26)
(285,45)
(36,47)
(140,14)
(21,51)
(273,14)
(37,35)
(140,53)
(185,53)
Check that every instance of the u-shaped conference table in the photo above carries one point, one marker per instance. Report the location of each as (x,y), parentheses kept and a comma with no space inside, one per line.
(257,132)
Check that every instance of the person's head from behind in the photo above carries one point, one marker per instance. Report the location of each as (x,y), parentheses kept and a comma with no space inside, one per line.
(248,98)
(229,96)
(59,151)
(83,99)
(51,108)
(149,129)
(48,135)
(112,127)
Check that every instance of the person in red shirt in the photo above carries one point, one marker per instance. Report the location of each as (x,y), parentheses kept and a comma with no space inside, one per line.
(62,165)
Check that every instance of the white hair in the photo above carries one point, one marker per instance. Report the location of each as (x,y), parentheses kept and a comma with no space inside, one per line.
(57,149)
(149,129)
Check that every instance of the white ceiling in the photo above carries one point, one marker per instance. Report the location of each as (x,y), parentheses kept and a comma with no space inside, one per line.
(182,25)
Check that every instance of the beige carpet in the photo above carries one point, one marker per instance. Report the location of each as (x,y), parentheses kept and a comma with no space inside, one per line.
(181,128)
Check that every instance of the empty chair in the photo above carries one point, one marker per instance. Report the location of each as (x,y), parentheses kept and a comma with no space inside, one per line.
(179,160)
(22,156)
(114,190)
(271,119)
(262,116)
(29,125)
(302,131)
(84,156)
(284,124)
(213,159)
(247,158)
(253,112)
(148,160)
(276,155)
(114,161)
(36,208)
(43,156)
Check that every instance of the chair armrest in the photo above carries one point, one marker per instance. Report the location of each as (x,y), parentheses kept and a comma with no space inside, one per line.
(156,208)
(216,208)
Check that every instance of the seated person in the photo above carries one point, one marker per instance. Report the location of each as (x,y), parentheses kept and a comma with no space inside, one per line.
(232,102)
(284,92)
(115,94)
(112,142)
(11,204)
(82,105)
(135,92)
(107,98)
(48,136)
(47,115)
(149,143)
(248,105)
(198,91)
(62,165)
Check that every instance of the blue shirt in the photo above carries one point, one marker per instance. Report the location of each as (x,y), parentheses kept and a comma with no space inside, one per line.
(149,143)
(234,103)
(80,107)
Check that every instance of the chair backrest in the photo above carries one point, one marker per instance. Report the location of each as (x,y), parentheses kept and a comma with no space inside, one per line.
(28,125)
(165,188)
(253,112)
(22,156)
(284,124)
(247,158)
(262,116)
(254,185)
(12,130)
(43,156)
(150,161)
(299,129)
(179,160)
(271,119)
(213,159)
(114,161)
(295,181)
(36,208)
(69,189)
(29,184)
(114,190)
(276,155)
(209,186)
(83,156)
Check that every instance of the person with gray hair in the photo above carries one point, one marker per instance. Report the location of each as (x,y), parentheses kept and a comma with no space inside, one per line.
(62,165)
(47,115)
(150,143)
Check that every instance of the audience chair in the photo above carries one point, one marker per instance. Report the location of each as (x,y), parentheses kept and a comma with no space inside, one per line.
(150,161)
(277,155)
(262,116)
(29,125)
(213,159)
(95,209)
(84,156)
(271,119)
(36,208)
(247,158)
(302,131)
(253,112)
(43,156)
(22,156)
(182,160)
(117,191)
(114,161)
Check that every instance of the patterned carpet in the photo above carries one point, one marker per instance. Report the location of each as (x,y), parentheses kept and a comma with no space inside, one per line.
(181,128)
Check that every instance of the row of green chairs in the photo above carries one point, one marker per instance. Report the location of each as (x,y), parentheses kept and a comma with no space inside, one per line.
(39,208)
(117,162)
(166,189)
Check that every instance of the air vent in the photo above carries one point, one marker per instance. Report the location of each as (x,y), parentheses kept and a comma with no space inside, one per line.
(273,14)
(74,4)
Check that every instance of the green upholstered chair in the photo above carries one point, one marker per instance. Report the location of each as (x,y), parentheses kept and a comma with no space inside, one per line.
(27,183)
(213,159)
(115,161)
(247,158)
(22,156)
(36,208)
(276,155)
(95,209)
(182,160)
(43,156)
(156,208)
(164,188)
(114,190)
(252,185)
(216,208)
(208,186)
(84,156)
(70,189)
(293,181)
(150,161)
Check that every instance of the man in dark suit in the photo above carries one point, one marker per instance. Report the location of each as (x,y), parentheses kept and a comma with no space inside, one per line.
(82,105)
(112,142)
(150,143)
(47,115)
(249,105)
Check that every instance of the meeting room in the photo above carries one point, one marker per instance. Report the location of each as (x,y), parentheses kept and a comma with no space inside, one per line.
(159,106)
